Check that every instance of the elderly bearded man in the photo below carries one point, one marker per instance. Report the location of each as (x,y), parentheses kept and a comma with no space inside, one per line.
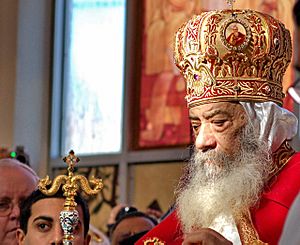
(243,175)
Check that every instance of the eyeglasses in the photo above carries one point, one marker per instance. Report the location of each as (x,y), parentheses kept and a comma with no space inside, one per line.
(5,208)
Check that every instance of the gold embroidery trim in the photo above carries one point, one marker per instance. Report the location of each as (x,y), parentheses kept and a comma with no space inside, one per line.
(281,157)
(247,232)
(154,241)
(258,242)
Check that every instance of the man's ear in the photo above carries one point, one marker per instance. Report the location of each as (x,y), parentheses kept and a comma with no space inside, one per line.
(87,239)
(20,236)
(243,117)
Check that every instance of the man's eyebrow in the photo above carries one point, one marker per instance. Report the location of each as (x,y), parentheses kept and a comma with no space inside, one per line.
(193,118)
(211,114)
(47,218)
(5,198)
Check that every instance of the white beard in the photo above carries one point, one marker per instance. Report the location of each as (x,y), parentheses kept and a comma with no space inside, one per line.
(227,185)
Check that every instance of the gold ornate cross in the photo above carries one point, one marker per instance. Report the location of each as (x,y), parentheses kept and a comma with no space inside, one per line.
(71,159)
(70,185)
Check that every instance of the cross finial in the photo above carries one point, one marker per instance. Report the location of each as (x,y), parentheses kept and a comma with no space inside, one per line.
(71,159)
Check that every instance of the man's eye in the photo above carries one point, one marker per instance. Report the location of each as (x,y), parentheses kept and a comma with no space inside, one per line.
(4,206)
(195,127)
(219,123)
(43,227)
(195,124)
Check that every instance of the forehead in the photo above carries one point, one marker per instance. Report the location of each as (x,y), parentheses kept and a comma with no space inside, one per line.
(224,108)
(134,224)
(13,171)
(15,180)
(41,208)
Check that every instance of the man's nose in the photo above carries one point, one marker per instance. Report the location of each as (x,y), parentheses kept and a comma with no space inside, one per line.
(57,242)
(205,140)
(57,236)
(15,212)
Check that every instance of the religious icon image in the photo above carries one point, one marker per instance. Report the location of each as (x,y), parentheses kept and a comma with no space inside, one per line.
(162,109)
(235,34)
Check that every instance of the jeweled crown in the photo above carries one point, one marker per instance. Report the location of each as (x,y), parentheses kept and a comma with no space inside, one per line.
(238,55)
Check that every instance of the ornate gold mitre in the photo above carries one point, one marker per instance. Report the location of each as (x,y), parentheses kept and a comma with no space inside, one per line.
(233,55)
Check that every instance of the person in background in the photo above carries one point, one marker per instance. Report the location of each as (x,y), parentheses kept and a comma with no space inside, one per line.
(153,210)
(17,181)
(40,224)
(291,234)
(113,216)
(291,229)
(98,237)
(294,90)
(296,13)
(243,175)
(130,225)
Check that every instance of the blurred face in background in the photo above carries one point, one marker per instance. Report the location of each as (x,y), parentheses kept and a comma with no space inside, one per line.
(130,226)
(16,183)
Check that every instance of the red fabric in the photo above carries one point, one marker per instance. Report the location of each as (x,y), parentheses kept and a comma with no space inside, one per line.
(168,231)
(288,102)
(268,218)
